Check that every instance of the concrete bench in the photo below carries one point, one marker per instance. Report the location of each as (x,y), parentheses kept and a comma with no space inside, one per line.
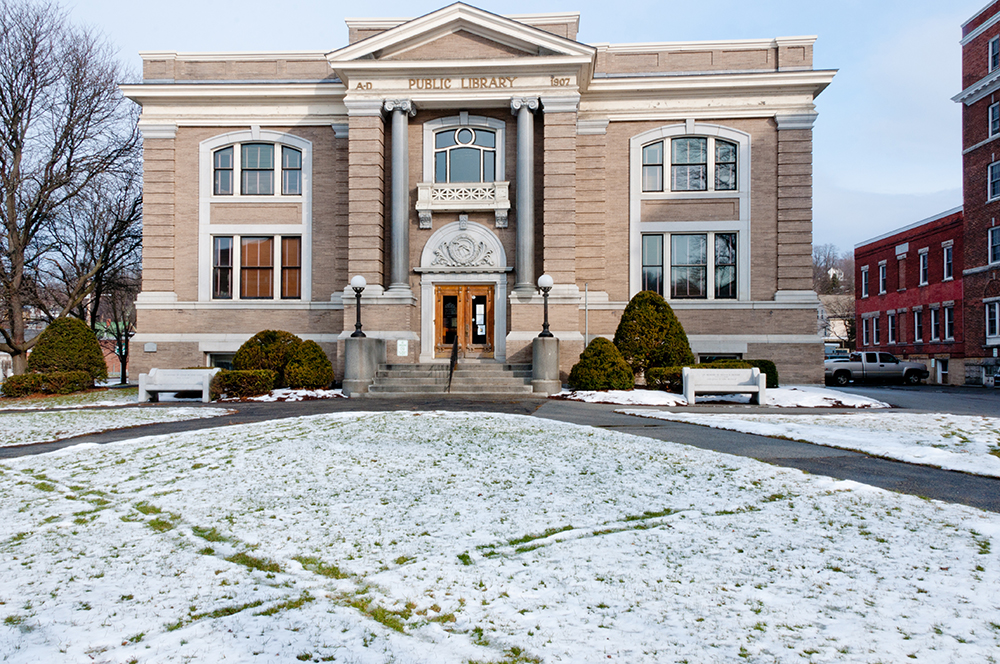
(724,381)
(175,380)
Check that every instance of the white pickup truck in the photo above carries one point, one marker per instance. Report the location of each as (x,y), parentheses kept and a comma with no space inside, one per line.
(872,367)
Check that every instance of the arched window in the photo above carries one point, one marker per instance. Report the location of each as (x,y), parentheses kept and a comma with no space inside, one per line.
(697,163)
(465,154)
(255,170)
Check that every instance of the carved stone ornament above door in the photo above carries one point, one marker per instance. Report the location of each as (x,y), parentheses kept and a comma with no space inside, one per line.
(463,247)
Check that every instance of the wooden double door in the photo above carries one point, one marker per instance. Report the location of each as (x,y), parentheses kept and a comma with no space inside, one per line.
(465,313)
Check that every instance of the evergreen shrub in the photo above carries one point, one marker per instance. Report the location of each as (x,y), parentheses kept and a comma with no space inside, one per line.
(649,334)
(768,368)
(67,344)
(270,350)
(310,368)
(242,383)
(21,386)
(671,379)
(601,367)
(65,382)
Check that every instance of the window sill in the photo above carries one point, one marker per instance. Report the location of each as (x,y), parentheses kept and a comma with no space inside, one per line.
(463,197)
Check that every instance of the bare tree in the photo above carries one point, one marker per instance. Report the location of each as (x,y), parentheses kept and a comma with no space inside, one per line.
(63,125)
(833,273)
(119,317)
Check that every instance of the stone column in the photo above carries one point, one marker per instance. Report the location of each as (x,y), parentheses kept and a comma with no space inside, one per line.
(524,256)
(399,234)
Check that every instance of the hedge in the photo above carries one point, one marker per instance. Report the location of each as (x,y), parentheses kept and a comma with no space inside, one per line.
(768,368)
(601,367)
(65,382)
(671,379)
(310,368)
(240,384)
(67,344)
(21,386)
(270,350)
(649,334)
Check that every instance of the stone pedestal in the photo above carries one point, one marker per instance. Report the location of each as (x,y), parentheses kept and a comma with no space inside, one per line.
(545,365)
(362,355)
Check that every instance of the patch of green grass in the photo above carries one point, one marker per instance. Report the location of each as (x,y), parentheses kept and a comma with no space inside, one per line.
(650,515)
(402,560)
(250,562)
(394,620)
(174,626)
(19,537)
(13,620)
(207,551)
(135,638)
(160,525)
(547,533)
(465,558)
(317,566)
(290,604)
(210,534)
(146,508)
(513,655)
(45,486)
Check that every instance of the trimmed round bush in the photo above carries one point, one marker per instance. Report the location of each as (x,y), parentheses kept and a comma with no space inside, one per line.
(649,334)
(240,384)
(66,382)
(67,344)
(768,368)
(310,368)
(21,386)
(269,350)
(601,367)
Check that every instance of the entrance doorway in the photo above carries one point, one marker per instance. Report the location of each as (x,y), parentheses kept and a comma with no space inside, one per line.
(464,313)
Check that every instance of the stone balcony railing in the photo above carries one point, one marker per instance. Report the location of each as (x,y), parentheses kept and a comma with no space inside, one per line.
(463,197)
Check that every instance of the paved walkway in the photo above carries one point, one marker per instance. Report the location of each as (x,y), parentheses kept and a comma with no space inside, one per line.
(951,486)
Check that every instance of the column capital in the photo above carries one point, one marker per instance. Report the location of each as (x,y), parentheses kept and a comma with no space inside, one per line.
(405,105)
(517,103)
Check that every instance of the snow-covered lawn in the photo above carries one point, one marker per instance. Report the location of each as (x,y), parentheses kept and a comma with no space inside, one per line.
(288,394)
(799,396)
(89,399)
(956,442)
(24,428)
(440,537)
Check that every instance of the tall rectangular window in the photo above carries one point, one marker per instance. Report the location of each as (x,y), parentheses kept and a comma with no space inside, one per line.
(257,167)
(689,164)
(876,331)
(994,241)
(222,268)
(948,267)
(994,119)
(291,171)
(891,327)
(291,268)
(994,53)
(725,266)
(725,165)
(652,263)
(993,319)
(882,280)
(256,267)
(652,167)
(864,281)
(935,324)
(688,266)
(949,322)
(865,339)
(994,178)
(924,269)
(222,163)
(918,325)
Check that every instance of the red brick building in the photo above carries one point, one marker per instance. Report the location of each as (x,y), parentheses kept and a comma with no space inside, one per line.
(980,99)
(909,295)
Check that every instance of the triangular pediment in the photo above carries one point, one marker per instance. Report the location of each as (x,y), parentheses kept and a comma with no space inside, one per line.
(460,32)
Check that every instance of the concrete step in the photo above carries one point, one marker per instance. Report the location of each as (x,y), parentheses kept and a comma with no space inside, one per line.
(443,375)
(457,380)
(424,388)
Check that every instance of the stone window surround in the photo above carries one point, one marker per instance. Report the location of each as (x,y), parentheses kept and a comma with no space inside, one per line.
(741,226)
(206,196)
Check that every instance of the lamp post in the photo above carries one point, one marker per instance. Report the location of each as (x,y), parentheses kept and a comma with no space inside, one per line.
(545,284)
(358,283)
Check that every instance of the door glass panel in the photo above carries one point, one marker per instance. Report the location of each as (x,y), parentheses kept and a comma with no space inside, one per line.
(449,315)
(479,321)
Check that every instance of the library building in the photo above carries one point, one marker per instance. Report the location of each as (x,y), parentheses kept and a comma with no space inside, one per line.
(453,159)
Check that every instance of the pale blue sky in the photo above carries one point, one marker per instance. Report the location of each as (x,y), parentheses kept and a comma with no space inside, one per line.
(888,138)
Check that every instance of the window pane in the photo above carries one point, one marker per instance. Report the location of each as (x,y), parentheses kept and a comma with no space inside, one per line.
(725,266)
(690,151)
(652,178)
(687,178)
(652,263)
(652,155)
(688,266)
(688,249)
(994,119)
(291,158)
(465,165)
(222,268)
(725,177)
(257,259)
(223,182)
(258,183)
(224,158)
(291,267)
(291,183)
(489,166)
(486,139)
(441,167)
(725,152)
(258,155)
(994,245)
(464,136)
(444,139)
